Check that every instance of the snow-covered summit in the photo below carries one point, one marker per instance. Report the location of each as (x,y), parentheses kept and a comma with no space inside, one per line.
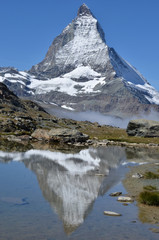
(81,43)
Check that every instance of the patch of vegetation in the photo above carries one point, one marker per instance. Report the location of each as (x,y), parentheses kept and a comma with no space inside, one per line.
(149,198)
(150,188)
(151,175)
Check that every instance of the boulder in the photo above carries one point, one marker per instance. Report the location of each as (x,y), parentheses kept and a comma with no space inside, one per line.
(143,128)
(64,135)
(41,134)
(125,199)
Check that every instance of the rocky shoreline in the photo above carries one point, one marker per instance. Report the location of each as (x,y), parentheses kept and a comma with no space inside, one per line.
(135,185)
(71,137)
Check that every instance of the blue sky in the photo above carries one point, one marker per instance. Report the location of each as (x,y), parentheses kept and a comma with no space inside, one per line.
(28,27)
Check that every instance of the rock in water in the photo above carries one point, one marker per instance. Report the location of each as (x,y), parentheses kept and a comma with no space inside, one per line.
(143,128)
(115,194)
(109,213)
(125,199)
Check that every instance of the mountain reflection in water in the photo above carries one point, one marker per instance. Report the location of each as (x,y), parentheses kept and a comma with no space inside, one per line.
(72,182)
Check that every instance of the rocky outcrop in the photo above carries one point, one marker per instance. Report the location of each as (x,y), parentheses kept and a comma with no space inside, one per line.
(60,135)
(144,128)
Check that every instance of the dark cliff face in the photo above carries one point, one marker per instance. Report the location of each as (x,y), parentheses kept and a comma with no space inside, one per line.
(8,97)
(11,104)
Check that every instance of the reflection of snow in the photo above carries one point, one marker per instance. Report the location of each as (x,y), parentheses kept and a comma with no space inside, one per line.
(76,193)
(70,182)
(80,163)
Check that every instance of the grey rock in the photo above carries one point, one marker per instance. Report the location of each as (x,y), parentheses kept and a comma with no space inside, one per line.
(144,128)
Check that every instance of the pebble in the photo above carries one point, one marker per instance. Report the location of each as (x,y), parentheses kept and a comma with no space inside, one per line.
(109,213)
(115,194)
(137,175)
(125,204)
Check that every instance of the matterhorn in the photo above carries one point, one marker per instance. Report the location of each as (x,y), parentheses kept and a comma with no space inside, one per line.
(80,72)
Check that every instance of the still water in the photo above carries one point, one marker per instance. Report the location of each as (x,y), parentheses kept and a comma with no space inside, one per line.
(48,195)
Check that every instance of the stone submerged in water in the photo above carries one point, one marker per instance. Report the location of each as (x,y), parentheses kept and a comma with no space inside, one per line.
(64,135)
(143,128)
(109,213)
(115,194)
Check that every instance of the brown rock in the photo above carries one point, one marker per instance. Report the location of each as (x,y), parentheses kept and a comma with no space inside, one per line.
(60,135)
(41,134)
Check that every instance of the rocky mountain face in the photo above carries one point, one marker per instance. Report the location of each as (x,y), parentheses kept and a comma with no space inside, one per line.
(80,72)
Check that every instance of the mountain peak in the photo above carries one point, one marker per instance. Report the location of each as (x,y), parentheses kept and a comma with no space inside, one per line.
(84,10)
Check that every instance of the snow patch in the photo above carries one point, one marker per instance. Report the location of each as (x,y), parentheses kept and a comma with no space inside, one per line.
(149,92)
(68,108)
(82,71)
(66,83)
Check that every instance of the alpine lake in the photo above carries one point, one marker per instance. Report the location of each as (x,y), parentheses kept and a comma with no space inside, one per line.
(62,194)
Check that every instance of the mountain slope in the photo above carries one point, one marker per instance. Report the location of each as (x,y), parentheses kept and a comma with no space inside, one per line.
(80,72)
